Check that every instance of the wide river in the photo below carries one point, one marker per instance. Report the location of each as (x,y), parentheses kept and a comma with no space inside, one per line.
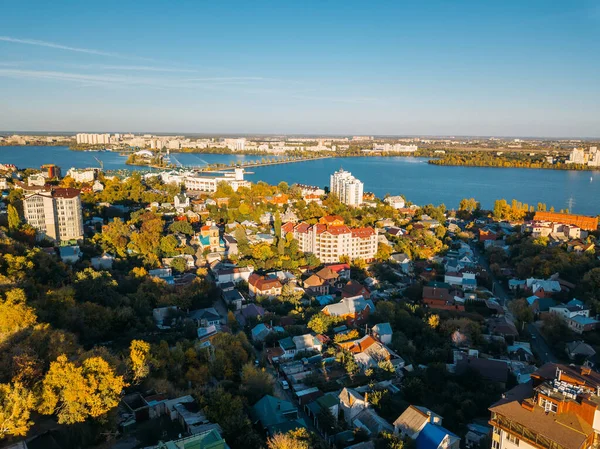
(420,182)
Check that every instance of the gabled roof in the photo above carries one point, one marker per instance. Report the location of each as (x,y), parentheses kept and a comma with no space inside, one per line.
(412,420)
(349,397)
(327,274)
(432,436)
(383,329)
(349,306)
(252,310)
(354,288)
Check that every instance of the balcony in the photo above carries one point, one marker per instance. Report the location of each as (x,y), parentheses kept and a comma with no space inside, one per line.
(523,433)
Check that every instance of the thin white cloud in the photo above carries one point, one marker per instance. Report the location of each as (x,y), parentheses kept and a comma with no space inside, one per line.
(54,45)
(137,68)
(120,80)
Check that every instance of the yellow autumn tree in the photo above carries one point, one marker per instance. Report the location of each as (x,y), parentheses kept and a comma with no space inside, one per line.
(139,353)
(295,439)
(15,314)
(75,393)
(16,403)
(433,321)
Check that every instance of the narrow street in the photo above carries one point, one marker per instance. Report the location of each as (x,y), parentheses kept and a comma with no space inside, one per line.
(538,344)
(287,395)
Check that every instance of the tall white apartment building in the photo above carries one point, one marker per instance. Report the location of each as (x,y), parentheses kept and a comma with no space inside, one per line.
(93,139)
(330,239)
(577,156)
(235,144)
(55,213)
(594,157)
(346,187)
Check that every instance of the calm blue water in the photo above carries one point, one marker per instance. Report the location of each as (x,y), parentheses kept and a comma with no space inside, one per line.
(34,156)
(419,181)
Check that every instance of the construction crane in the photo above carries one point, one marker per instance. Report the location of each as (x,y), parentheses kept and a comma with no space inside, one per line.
(100,163)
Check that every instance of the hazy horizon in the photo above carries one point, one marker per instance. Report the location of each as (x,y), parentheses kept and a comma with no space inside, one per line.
(469,68)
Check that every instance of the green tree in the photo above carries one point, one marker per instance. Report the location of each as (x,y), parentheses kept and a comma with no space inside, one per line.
(183,227)
(256,382)
(169,245)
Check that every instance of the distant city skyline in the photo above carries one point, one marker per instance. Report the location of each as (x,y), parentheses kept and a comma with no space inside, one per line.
(503,69)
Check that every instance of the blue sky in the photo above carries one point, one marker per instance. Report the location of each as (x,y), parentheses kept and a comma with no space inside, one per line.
(514,68)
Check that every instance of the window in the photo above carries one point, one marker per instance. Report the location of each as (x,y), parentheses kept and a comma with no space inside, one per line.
(512,439)
(495,445)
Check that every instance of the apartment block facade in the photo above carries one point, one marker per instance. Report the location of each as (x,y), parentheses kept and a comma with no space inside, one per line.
(346,187)
(558,409)
(329,240)
(55,213)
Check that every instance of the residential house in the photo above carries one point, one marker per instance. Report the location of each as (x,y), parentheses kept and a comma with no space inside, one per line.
(206,317)
(369,421)
(231,245)
(181,202)
(437,296)
(70,254)
(351,403)
(321,282)
(163,316)
(403,260)
(542,288)
(307,343)
(576,316)
(268,285)
(465,279)
(354,288)
(289,347)
(260,332)
(276,415)
(383,333)
(103,262)
(397,202)
(231,295)
(353,310)
(579,350)
(210,439)
(232,274)
(326,403)
(252,312)
(368,353)
(425,428)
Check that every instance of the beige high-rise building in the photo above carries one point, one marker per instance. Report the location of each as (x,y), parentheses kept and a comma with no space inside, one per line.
(55,213)
(331,239)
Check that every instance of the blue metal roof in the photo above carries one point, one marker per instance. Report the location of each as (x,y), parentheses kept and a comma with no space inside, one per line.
(431,436)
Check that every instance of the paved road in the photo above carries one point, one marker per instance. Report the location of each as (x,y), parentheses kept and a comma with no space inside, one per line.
(539,345)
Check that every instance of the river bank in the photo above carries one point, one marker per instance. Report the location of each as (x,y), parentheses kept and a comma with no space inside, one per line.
(421,182)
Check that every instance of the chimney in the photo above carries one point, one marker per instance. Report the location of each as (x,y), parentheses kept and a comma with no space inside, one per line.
(366,399)
(429,417)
